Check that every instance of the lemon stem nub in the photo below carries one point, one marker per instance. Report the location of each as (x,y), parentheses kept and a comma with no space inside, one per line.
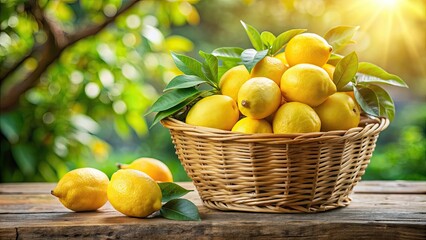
(245,103)
(51,192)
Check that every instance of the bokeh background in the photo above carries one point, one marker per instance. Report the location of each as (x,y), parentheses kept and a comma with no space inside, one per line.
(87,108)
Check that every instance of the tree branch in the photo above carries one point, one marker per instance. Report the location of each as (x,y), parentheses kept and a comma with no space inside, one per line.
(51,50)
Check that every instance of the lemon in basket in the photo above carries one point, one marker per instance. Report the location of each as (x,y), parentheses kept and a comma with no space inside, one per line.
(338,112)
(82,189)
(250,125)
(259,97)
(270,67)
(231,81)
(216,111)
(296,117)
(308,48)
(155,168)
(134,193)
(307,83)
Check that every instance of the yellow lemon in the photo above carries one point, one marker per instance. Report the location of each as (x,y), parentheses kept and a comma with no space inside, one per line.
(306,83)
(231,81)
(295,117)
(82,189)
(269,67)
(250,125)
(281,56)
(329,69)
(338,112)
(216,111)
(308,48)
(134,193)
(259,97)
(155,168)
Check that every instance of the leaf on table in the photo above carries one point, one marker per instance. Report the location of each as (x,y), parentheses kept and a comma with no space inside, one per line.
(374,74)
(184,81)
(180,209)
(172,98)
(345,70)
(375,101)
(340,36)
(254,36)
(170,190)
(250,57)
(283,39)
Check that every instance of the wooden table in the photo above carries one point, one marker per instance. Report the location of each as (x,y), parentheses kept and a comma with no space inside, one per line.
(379,210)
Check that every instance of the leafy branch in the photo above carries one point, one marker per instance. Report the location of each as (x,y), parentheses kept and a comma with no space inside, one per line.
(47,53)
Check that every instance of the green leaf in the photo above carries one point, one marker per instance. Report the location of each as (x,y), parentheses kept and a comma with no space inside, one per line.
(334,59)
(180,209)
(250,57)
(375,74)
(228,53)
(171,99)
(375,101)
(25,157)
(340,36)
(188,65)
(268,38)
(210,67)
(176,109)
(283,39)
(184,81)
(345,70)
(254,36)
(11,125)
(171,191)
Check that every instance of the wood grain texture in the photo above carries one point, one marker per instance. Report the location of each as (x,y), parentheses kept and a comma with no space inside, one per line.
(28,211)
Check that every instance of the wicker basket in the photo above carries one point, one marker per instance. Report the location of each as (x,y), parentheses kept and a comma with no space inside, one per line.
(285,173)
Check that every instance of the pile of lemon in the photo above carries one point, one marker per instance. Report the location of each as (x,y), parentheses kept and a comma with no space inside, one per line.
(291,92)
(133,189)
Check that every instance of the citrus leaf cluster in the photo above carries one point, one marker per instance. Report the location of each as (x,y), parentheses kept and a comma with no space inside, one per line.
(350,75)
(176,208)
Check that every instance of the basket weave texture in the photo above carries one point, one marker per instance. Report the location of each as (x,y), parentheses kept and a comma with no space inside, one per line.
(285,173)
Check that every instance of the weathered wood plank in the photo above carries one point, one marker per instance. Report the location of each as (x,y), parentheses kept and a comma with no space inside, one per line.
(165,229)
(28,211)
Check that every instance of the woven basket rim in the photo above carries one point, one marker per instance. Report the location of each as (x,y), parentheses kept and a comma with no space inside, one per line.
(368,126)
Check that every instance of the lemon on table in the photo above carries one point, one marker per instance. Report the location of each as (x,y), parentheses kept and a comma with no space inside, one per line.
(134,193)
(295,117)
(250,125)
(231,81)
(308,48)
(82,189)
(155,168)
(338,112)
(259,97)
(216,111)
(306,83)
(269,67)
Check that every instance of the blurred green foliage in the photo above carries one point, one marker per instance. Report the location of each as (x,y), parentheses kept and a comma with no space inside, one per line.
(401,149)
(90,102)
(87,110)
